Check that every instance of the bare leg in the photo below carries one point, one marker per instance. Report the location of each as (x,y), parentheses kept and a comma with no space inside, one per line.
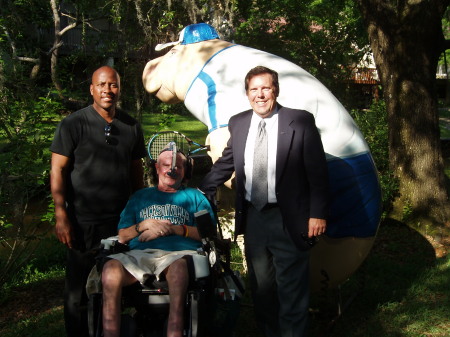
(114,277)
(178,280)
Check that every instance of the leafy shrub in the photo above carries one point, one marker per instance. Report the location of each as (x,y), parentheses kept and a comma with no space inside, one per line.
(374,126)
(26,128)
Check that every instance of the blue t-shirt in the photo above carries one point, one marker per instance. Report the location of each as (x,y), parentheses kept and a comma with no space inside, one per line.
(178,207)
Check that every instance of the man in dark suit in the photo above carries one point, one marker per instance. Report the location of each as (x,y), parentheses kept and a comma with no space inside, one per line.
(281,200)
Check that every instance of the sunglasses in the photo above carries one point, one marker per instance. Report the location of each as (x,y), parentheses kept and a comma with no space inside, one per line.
(108,129)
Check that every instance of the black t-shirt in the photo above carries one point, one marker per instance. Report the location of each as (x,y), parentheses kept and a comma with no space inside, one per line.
(98,181)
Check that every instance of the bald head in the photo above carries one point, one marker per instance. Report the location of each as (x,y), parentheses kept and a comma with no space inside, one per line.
(105,69)
(105,90)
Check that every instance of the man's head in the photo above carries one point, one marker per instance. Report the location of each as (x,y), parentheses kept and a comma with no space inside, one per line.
(262,89)
(168,180)
(105,88)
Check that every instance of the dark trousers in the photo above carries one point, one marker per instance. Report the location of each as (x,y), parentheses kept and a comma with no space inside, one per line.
(80,261)
(279,275)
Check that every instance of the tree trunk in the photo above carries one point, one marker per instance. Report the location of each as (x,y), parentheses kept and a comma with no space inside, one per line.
(406,39)
(56,44)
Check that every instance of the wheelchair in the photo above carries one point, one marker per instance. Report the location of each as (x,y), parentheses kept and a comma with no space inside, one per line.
(145,307)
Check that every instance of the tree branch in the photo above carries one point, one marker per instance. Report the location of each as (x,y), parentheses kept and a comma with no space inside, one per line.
(68,27)
(59,44)
(14,50)
(11,42)
(28,59)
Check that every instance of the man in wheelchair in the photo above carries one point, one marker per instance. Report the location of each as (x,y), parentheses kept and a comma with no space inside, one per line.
(158,225)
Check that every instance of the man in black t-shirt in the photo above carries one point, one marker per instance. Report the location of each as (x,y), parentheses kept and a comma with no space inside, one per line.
(96,164)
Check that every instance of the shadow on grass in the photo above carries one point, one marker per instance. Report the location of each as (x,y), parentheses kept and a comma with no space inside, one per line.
(401,290)
(373,299)
(396,272)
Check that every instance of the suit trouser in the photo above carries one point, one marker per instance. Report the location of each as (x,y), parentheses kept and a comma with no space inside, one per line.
(80,261)
(279,275)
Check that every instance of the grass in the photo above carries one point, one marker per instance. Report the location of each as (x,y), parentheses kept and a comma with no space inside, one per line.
(402,289)
(46,324)
(188,125)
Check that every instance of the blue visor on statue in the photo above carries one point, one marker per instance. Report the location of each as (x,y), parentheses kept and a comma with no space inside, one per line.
(192,34)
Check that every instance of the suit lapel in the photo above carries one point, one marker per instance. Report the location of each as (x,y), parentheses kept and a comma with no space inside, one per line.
(242,126)
(285,135)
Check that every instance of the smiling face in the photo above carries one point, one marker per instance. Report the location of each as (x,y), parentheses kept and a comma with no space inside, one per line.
(105,89)
(262,94)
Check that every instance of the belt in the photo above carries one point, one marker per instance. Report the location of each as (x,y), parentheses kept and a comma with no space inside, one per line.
(270,206)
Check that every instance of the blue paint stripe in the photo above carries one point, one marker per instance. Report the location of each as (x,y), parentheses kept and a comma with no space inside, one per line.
(355,208)
(212,92)
(218,127)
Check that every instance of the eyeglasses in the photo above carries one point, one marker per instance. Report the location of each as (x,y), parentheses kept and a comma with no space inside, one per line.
(108,129)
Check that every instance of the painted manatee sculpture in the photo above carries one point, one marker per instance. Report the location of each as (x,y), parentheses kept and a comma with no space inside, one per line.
(208,73)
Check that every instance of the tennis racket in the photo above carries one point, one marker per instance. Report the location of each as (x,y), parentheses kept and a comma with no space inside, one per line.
(160,140)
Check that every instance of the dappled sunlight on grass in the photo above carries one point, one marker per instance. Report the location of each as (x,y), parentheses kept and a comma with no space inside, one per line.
(401,290)
(46,324)
(188,125)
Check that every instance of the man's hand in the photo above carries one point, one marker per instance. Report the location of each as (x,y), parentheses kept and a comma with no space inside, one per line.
(316,227)
(152,229)
(64,232)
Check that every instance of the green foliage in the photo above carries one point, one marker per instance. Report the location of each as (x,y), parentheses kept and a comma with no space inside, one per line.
(167,115)
(26,128)
(29,274)
(324,37)
(373,125)
(166,121)
(407,212)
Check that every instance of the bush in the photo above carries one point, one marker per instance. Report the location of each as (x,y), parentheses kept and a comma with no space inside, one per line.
(374,126)
(27,125)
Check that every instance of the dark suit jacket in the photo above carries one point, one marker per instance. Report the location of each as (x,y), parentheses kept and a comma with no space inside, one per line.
(301,171)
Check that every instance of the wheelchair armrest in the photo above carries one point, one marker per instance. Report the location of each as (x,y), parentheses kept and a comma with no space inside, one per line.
(113,246)
(108,246)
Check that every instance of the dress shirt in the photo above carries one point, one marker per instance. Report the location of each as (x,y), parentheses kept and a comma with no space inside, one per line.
(272,140)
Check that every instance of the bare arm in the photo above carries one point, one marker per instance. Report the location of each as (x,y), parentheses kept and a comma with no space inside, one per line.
(151,229)
(58,178)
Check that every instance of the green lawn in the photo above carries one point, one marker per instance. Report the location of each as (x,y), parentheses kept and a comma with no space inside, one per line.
(402,290)
(188,125)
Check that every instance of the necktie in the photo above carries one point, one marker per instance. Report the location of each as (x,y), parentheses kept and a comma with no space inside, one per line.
(259,179)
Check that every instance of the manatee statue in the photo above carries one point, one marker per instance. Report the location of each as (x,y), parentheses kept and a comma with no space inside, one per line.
(207,74)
